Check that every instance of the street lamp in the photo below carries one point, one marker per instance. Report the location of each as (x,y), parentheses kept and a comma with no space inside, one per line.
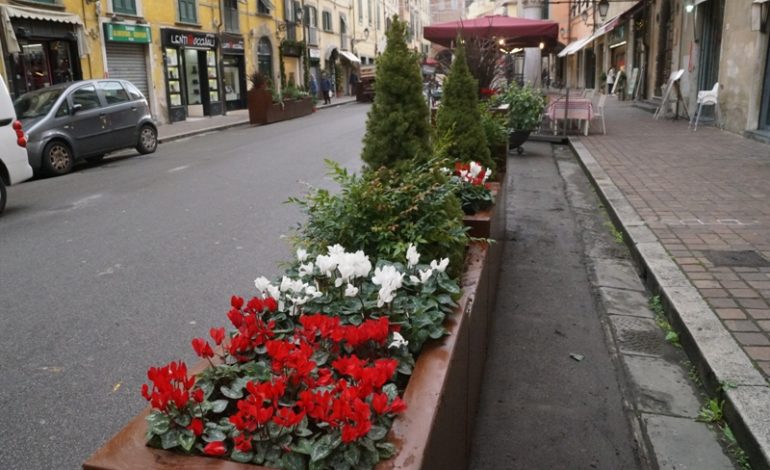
(602,5)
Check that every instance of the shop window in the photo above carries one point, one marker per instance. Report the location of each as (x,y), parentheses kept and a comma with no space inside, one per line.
(231,16)
(113,92)
(265,57)
(188,11)
(326,20)
(86,97)
(124,6)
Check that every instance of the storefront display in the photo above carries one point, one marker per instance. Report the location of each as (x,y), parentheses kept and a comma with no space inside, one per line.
(192,74)
(233,71)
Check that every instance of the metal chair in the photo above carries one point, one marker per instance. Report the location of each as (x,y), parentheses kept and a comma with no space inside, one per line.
(706,98)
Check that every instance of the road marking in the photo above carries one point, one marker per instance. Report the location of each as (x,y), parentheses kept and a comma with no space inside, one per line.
(179,168)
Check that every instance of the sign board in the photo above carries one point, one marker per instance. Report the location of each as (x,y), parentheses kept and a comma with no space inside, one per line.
(135,33)
(232,44)
(180,38)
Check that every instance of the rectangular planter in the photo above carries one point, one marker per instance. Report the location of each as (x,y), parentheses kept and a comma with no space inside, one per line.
(262,110)
(442,395)
(490,223)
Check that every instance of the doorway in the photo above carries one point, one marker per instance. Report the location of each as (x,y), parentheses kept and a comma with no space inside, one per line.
(764,114)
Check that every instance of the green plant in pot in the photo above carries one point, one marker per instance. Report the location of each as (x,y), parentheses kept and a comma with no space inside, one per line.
(525,110)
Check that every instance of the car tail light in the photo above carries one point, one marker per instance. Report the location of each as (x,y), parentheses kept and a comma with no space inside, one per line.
(21,139)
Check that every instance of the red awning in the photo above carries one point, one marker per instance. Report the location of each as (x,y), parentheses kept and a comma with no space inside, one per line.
(516,32)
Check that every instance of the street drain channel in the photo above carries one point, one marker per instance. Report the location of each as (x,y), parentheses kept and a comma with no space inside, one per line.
(736,259)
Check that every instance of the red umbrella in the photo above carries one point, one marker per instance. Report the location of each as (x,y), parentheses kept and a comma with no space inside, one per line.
(517,32)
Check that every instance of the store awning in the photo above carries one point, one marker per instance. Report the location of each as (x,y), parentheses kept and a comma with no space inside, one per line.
(605,28)
(9,12)
(351,57)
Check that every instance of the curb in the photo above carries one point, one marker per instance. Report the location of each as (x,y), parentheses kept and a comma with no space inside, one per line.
(182,135)
(710,346)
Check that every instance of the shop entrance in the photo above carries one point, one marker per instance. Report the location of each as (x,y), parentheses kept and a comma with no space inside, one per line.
(233,73)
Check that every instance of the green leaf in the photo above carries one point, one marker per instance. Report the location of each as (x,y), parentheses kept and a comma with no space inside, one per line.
(390,390)
(186,440)
(448,285)
(207,386)
(183,420)
(230,393)
(170,439)
(243,457)
(292,461)
(324,446)
(352,455)
(377,433)
(218,406)
(213,435)
(303,446)
(158,423)
(386,450)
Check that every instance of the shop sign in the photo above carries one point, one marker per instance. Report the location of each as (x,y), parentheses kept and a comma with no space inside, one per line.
(232,44)
(179,38)
(315,53)
(136,33)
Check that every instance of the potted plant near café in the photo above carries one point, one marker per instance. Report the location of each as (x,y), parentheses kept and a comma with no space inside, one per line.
(525,110)
(258,98)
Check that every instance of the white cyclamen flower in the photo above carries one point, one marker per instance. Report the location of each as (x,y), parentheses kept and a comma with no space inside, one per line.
(306,269)
(398,341)
(487,174)
(414,279)
(389,279)
(440,266)
(326,264)
(475,169)
(353,265)
(312,291)
(351,291)
(261,283)
(425,275)
(293,285)
(336,250)
(301,255)
(274,292)
(412,256)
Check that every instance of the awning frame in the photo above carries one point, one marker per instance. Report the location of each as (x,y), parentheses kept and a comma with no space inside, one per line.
(13,11)
(350,56)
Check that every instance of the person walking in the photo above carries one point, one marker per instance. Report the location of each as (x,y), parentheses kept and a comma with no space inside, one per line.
(353,83)
(313,87)
(610,80)
(326,88)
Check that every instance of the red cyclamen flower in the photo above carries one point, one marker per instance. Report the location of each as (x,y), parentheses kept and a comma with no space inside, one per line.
(218,335)
(215,448)
(196,426)
(202,348)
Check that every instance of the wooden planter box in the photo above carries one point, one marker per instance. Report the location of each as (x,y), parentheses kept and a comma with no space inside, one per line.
(490,223)
(442,396)
(262,110)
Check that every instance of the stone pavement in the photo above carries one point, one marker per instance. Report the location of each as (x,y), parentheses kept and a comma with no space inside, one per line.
(193,126)
(695,209)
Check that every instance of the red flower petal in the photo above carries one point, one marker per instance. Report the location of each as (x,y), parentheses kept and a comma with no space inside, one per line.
(215,448)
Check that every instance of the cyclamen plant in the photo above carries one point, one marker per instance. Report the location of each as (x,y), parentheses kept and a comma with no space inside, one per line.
(470,179)
(296,390)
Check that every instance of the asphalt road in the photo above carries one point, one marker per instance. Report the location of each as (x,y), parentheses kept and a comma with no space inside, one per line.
(117,266)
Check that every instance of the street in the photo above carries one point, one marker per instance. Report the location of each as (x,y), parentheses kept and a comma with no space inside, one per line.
(116,267)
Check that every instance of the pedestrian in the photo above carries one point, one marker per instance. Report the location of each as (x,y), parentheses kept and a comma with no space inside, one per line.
(610,80)
(313,87)
(326,88)
(353,83)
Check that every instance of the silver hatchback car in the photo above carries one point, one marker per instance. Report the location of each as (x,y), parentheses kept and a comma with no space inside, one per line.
(84,120)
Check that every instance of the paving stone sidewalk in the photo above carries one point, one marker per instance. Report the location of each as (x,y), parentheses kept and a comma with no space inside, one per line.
(699,202)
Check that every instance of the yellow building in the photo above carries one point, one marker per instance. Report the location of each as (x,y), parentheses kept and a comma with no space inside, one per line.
(190,57)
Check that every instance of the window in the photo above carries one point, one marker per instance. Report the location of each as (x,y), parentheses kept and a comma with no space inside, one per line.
(188,11)
(134,92)
(343,25)
(113,92)
(124,6)
(326,19)
(369,11)
(378,15)
(264,7)
(360,11)
(311,16)
(64,110)
(265,57)
(230,13)
(86,97)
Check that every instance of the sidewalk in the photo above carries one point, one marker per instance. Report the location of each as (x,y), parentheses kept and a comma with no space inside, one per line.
(193,126)
(695,209)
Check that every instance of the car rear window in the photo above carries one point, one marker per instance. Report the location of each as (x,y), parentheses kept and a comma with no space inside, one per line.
(134,92)
(113,92)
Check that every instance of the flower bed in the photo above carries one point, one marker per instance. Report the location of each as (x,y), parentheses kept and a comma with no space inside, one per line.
(441,397)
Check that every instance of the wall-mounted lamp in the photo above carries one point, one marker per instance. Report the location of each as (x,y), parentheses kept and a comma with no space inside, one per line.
(602,6)
(563,33)
(542,46)
(688,6)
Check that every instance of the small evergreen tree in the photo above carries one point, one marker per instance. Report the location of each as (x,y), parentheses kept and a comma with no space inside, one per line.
(459,122)
(397,127)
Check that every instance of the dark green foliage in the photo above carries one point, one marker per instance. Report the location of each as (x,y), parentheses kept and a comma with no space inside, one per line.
(458,121)
(397,127)
(497,135)
(383,211)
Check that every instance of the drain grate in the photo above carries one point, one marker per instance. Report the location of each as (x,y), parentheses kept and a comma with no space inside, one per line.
(736,259)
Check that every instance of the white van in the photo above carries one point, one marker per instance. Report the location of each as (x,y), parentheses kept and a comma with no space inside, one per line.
(14,164)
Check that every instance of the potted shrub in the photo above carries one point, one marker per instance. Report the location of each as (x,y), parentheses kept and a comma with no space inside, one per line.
(525,110)
(497,136)
(258,98)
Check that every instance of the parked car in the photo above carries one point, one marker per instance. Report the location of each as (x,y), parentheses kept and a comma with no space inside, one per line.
(84,120)
(14,166)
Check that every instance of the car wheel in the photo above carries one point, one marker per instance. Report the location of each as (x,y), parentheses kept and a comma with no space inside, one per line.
(148,140)
(3,195)
(57,158)
(95,158)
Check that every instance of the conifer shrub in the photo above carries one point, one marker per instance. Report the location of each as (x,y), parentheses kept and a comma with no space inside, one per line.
(397,127)
(458,122)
